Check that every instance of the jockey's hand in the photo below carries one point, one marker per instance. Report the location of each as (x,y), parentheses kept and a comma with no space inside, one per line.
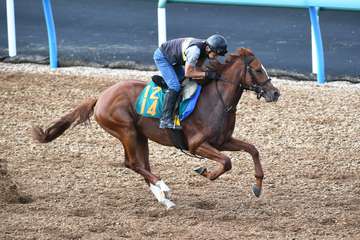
(211,75)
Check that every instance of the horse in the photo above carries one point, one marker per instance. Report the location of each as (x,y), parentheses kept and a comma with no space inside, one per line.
(207,131)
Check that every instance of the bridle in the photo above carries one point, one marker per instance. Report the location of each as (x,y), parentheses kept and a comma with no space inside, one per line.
(255,87)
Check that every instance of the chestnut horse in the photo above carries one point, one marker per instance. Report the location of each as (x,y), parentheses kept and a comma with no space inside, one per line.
(208,130)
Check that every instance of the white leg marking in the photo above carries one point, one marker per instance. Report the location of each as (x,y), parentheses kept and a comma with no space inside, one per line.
(160,190)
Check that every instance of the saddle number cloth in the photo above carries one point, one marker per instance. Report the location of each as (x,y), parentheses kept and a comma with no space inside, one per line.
(151,100)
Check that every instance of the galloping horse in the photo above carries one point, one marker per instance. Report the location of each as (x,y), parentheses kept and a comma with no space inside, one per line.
(208,130)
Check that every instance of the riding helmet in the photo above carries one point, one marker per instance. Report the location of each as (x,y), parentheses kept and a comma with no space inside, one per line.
(217,44)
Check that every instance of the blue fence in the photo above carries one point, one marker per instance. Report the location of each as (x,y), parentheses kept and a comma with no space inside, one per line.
(314,6)
(51,34)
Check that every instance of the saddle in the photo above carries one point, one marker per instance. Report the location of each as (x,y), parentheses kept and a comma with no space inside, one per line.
(150,102)
(188,86)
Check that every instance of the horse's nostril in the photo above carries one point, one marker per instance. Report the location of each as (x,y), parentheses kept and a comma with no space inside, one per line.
(276,95)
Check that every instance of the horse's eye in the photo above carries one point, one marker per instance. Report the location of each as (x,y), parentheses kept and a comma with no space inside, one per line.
(259,71)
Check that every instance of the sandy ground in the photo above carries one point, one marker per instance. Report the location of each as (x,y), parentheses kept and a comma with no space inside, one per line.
(78,188)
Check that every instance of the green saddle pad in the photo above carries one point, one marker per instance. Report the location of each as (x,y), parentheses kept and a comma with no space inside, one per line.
(150,102)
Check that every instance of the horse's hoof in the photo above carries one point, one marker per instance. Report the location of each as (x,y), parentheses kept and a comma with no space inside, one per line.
(200,170)
(168,204)
(256,191)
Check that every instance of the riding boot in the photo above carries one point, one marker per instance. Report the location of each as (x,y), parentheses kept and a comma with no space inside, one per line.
(166,120)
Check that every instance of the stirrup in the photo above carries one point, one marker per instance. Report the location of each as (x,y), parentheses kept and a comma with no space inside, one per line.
(169,125)
(176,127)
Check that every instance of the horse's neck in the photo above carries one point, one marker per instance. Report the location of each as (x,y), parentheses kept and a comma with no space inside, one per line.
(218,100)
(227,93)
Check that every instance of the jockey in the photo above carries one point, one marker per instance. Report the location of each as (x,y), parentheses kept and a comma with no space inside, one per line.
(170,58)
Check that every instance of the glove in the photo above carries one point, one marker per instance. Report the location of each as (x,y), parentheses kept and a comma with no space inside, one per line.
(211,75)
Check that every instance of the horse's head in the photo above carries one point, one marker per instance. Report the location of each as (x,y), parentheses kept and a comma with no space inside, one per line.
(244,69)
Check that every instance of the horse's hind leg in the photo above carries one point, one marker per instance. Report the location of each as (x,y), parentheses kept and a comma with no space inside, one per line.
(120,124)
(237,145)
(137,159)
(161,191)
(142,155)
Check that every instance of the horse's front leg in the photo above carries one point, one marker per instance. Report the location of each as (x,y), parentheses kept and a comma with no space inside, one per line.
(236,145)
(207,151)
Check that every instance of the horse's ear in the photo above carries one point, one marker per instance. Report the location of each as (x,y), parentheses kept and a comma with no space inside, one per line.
(244,52)
(250,52)
(240,51)
(231,57)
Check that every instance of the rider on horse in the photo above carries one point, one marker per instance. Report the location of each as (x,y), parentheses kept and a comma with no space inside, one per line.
(170,58)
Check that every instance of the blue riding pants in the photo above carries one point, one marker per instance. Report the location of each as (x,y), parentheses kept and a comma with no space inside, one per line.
(172,75)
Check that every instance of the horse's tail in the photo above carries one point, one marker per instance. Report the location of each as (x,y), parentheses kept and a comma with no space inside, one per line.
(80,114)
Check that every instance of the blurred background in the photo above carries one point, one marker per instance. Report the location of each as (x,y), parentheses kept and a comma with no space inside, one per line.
(123,34)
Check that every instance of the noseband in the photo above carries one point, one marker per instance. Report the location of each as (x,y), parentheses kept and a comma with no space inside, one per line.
(255,87)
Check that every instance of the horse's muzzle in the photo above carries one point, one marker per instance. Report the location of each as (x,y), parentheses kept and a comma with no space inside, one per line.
(272,95)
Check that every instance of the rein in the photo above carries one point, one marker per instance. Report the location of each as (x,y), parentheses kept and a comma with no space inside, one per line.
(231,106)
(255,87)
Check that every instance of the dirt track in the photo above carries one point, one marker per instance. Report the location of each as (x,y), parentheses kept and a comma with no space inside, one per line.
(77,187)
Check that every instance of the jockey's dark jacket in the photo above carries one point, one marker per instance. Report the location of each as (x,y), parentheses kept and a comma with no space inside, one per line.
(174,50)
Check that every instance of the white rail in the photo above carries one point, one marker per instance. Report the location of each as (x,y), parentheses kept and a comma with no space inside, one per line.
(10,12)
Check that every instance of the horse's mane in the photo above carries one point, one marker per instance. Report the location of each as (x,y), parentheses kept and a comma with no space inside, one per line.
(215,65)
